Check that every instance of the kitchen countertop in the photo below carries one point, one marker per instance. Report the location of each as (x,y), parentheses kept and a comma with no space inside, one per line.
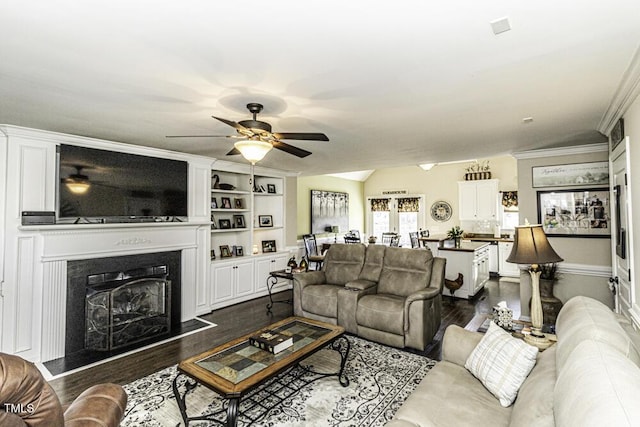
(465,246)
(475,238)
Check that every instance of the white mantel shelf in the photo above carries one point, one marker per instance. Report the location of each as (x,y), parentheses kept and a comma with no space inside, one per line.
(79,227)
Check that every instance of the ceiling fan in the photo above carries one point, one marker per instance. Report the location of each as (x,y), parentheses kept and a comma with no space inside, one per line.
(256,130)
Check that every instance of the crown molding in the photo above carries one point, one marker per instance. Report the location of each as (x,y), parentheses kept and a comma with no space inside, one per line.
(563,151)
(627,92)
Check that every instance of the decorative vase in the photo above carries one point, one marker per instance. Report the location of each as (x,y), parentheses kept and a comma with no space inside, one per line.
(456,241)
(292,262)
(304,265)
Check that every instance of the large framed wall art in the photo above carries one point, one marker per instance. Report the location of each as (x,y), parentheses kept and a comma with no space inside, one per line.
(329,209)
(574,174)
(575,213)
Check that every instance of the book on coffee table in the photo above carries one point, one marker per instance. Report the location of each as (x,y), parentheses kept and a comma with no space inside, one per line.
(271,341)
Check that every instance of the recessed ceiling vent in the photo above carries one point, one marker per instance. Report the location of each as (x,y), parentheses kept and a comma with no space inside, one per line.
(500,25)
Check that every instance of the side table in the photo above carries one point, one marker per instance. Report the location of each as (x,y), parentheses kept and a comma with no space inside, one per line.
(271,282)
(480,323)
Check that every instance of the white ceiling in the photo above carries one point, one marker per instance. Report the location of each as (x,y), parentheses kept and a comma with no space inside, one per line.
(391,83)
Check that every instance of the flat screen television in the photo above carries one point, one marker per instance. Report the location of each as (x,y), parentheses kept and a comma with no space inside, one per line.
(119,187)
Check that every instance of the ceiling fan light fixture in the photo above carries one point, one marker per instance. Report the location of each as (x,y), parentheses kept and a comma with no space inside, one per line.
(253,150)
(77,187)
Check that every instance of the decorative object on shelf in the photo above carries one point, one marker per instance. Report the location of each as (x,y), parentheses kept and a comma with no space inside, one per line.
(255,250)
(268,246)
(213,254)
(575,213)
(239,203)
(213,222)
(510,199)
(455,234)
(214,203)
(304,265)
(441,211)
(477,171)
(329,208)
(292,262)
(530,246)
(238,220)
(265,220)
(239,251)
(225,202)
(225,223)
(594,173)
(372,239)
(225,252)
(271,188)
(221,186)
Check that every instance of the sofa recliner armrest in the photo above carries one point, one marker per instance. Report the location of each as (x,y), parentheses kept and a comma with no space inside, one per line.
(309,278)
(437,273)
(100,405)
(421,295)
(458,343)
(360,285)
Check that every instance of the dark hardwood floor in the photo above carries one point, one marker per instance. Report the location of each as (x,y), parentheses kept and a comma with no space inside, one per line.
(243,318)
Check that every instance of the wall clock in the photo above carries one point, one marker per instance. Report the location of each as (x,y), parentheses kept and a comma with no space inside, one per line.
(441,211)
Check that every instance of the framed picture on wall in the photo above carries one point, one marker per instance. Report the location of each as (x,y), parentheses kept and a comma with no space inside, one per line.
(574,174)
(329,209)
(575,213)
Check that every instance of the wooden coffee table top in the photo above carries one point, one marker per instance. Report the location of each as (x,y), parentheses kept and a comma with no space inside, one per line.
(234,368)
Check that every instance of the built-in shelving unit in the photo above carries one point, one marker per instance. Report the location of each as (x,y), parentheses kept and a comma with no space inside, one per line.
(247,213)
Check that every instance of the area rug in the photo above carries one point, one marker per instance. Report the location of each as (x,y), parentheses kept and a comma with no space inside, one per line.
(380,378)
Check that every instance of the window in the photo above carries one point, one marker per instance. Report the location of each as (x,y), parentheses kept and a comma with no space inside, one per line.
(401,215)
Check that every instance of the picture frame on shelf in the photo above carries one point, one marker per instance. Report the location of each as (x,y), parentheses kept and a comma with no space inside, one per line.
(271,188)
(239,203)
(225,203)
(239,251)
(268,246)
(214,226)
(575,212)
(238,220)
(265,220)
(225,252)
(214,203)
(213,254)
(224,224)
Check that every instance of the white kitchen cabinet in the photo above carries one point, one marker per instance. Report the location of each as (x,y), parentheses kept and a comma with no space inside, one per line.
(472,261)
(233,281)
(506,268)
(493,258)
(478,200)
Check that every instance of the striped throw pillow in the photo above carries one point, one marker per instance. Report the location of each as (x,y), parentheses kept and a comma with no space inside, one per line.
(502,363)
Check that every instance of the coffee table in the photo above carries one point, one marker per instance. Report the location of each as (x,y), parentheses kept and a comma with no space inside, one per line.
(239,371)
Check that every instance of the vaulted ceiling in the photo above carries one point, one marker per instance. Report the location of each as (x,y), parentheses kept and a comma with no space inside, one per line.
(390,83)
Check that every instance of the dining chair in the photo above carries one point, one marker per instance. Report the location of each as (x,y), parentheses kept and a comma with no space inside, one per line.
(395,241)
(311,250)
(413,236)
(387,237)
(353,236)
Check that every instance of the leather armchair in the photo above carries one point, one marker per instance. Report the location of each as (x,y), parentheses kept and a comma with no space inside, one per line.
(26,399)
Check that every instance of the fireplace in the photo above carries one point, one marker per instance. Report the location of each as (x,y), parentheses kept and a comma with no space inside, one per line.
(123,308)
(121,302)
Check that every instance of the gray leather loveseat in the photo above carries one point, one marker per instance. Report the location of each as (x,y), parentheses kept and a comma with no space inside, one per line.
(385,294)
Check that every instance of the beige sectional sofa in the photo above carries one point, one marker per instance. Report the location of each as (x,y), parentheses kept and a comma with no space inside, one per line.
(385,294)
(591,377)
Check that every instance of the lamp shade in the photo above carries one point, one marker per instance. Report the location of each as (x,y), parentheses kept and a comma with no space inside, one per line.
(253,150)
(77,187)
(530,246)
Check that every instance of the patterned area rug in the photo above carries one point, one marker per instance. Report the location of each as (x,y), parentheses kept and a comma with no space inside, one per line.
(380,378)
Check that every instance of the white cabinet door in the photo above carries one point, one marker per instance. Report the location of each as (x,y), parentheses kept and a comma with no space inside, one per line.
(244,278)
(222,281)
(478,200)
(467,201)
(507,268)
(266,265)
(487,199)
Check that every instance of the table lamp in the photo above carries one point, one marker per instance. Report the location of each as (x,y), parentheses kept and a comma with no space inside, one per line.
(530,246)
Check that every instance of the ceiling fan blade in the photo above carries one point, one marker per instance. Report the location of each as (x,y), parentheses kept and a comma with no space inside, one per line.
(302,136)
(235,125)
(200,136)
(233,152)
(290,149)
